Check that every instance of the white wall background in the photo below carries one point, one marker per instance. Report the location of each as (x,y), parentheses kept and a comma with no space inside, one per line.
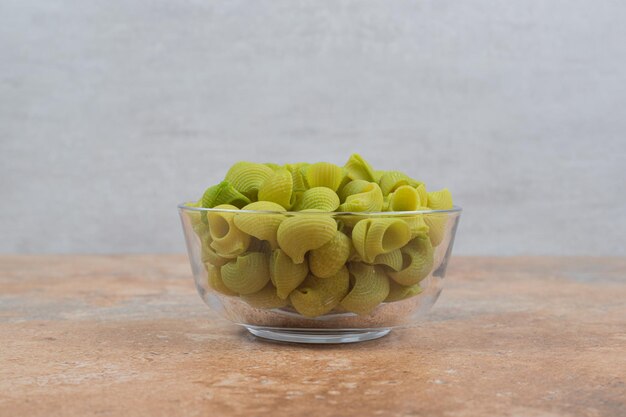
(112,112)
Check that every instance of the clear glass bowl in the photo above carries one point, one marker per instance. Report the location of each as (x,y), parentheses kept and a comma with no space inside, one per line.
(351,313)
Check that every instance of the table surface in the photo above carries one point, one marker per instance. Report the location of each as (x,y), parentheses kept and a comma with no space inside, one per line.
(128,335)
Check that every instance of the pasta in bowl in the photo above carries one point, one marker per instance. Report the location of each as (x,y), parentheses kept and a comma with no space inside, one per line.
(319,253)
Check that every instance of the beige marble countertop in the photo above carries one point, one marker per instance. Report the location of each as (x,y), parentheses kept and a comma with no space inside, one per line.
(128,335)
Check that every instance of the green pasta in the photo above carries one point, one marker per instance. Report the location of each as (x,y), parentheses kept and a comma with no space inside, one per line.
(278,188)
(326,260)
(438,200)
(417,223)
(210,256)
(316,237)
(421,190)
(359,169)
(375,236)
(228,240)
(202,232)
(299,234)
(370,199)
(215,280)
(417,261)
(353,187)
(399,292)
(318,296)
(247,177)
(285,274)
(324,174)
(378,175)
(297,176)
(370,287)
(404,198)
(223,193)
(262,226)
(393,260)
(391,180)
(265,298)
(247,274)
(386,203)
(318,198)
(436,223)
(195,217)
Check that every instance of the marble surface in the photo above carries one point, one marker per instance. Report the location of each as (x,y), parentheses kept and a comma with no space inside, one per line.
(128,335)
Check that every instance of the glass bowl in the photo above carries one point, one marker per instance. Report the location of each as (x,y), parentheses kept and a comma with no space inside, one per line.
(267,272)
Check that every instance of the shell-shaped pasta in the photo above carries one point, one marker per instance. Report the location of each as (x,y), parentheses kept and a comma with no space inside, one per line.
(228,240)
(317,296)
(436,226)
(247,177)
(370,288)
(325,261)
(378,174)
(386,202)
(354,255)
(286,275)
(262,226)
(391,259)
(344,181)
(266,298)
(299,234)
(399,292)
(404,198)
(263,206)
(211,257)
(297,176)
(194,216)
(371,199)
(416,223)
(200,227)
(297,196)
(421,190)
(359,169)
(324,174)
(391,180)
(223,193)
(417,262)
(278,188)
(318,198)
(374,236)
(353,187)
(202,231)
(215,280)
(247,274)
(440,200)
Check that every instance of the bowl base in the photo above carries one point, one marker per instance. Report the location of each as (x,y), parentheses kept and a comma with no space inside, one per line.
(317,336)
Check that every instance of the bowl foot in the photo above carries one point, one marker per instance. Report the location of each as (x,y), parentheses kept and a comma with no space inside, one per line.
(318,336)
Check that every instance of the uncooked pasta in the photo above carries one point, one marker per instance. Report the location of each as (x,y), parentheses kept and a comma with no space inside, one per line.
(319,238)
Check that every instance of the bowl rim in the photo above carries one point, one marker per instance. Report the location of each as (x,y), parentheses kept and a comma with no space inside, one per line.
(455,209)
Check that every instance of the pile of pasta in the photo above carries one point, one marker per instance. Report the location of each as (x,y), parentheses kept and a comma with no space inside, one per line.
(276,239)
